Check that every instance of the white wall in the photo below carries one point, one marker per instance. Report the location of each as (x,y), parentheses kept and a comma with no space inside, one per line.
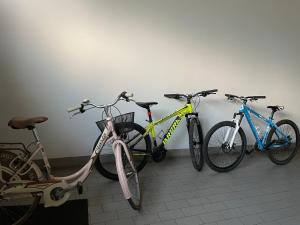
(55,53)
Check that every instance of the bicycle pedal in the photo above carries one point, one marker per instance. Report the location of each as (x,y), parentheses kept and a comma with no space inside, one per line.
(79,188)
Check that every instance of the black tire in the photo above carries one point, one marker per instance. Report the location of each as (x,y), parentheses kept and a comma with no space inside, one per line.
(213,152)
(283,155)
(105,164)
(196,143)
(134,205)
(16,212)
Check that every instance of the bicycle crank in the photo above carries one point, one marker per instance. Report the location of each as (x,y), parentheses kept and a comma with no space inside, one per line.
(55,195)
(159,153)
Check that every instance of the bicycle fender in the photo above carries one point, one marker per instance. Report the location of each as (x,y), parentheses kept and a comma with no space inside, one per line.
(120,169)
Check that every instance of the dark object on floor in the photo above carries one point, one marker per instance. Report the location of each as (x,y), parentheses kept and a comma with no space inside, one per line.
(71,213)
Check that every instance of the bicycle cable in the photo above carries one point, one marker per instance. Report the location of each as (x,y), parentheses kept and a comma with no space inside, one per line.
(110,113)
(196,102)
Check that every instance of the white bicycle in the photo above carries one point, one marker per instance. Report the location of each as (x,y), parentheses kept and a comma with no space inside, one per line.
(23,184)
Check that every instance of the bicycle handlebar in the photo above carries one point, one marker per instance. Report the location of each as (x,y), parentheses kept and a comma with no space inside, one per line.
(190,96)
(245,98)
(175,96)
(86,102)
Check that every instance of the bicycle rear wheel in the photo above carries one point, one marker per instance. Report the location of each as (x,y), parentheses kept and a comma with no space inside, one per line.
(138,145)
(283,155)
(217,152)
(196,143)
(15,211)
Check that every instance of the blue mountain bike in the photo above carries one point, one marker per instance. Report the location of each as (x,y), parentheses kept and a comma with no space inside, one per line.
(225,143)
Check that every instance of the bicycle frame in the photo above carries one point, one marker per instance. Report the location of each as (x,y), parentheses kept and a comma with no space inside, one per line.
(261,142)
(180,113)
(46,186)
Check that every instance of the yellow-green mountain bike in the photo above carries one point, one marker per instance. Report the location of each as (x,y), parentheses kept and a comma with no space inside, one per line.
(139,142)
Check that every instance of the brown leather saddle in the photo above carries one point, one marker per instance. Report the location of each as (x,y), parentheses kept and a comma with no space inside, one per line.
(29,123)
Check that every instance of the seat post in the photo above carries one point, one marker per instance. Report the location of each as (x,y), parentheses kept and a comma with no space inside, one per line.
(272,114)
(35,134)
(149,115)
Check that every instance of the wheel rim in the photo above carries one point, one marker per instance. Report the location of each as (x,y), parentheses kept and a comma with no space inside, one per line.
(219,152)
(285,152)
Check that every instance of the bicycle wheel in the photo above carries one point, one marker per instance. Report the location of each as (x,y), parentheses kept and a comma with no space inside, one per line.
(128,177)
(140,146)
(15,211)
(195,143)
(217,152)
(283,155)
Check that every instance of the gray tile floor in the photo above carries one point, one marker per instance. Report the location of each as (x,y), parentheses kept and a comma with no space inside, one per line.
(257,192)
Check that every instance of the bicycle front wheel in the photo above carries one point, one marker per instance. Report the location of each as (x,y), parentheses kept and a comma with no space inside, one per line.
(128,177)
(138,145)
(217,152)
(195,143)
(285,152)
(15,211)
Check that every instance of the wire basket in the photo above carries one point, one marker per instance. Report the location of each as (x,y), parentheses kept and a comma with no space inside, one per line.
(127,117)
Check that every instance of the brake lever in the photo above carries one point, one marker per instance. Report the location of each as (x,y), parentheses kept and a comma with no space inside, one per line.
(233,100)
(85,101)
(131,100)
(127,98)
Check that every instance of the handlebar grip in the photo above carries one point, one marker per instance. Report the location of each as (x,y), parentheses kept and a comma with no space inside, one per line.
(123,94)
(208,92)
(231,96)
(257,97)
(72,109)
(211,91)
(126,96)
(175,96)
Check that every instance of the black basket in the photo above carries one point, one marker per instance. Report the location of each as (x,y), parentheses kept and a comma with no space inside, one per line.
(127,117)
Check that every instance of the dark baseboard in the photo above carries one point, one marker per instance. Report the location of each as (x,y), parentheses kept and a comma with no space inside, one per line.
(78,161)
(69,162)
(66,162)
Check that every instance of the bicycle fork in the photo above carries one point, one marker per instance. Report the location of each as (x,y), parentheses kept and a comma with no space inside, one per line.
(117,148)
(237,122)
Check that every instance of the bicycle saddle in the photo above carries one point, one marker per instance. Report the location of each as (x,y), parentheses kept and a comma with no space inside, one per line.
(22,123)
(146,105)
(275,107)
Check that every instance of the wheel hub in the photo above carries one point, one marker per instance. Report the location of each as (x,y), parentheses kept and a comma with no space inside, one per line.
(226,147)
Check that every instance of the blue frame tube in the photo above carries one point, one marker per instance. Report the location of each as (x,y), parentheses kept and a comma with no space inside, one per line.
(270,124)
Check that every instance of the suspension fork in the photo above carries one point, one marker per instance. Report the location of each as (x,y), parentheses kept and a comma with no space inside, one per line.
(189,117)
(237,122)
